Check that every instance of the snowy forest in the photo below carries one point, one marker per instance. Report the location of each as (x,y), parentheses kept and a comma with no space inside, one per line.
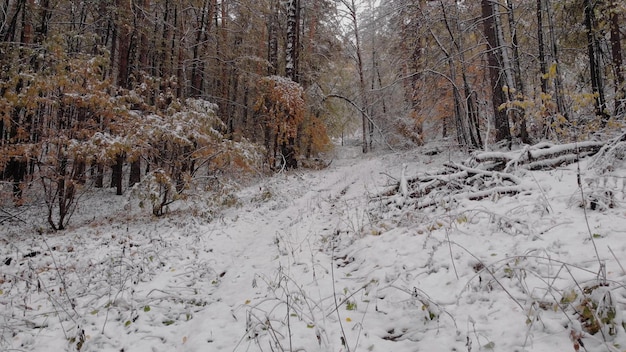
(325,175)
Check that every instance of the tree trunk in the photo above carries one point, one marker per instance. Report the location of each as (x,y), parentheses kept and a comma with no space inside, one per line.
(543,67)
(517,74)
(17,171)
(143,37)
(467,122)
(11,29)
(4,12)
(202,36)
(595,69)
(359,61)
(543,72)
(123,8)
(164,63)
(225,55)
(178,53)
(293,40)
(501,120)
(616,51)
(134,176)
(46,14)
(99,175)
(116,175)
(472,114)
(272,40)
(558,81)
(65,191)
(288,147)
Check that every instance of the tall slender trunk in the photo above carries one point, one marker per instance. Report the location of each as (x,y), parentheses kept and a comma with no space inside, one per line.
(123,8)
(597,85)
(202,36)
(11,29)
(99,169)
(616,51)
(165,53)
(225,56)
(144,42)
(467,122)
(272,40)
(293,40)
(46,14)
(517,74)
(359,61)
(116,176)
(501,121)
(288,147)
(4,12)
(543,67)
(558,80)
(134,175)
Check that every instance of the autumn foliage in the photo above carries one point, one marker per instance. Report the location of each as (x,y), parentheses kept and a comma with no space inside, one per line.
(281,108)
(291,132)
(63,123)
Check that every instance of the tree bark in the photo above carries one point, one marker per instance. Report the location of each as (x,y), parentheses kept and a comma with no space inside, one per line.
(144,6)
(99,175)
(293,40)
(134,176)
(272,40)
(517,74)
(616,51)
(467,122)
(543,67)
(595,69)
(202,36)
(9,34)
(501,120)
(288,146)
(116,175)
(558,81)
(359,61)
(123,30)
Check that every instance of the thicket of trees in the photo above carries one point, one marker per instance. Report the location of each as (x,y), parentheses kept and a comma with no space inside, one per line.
(155,91)
(493,71)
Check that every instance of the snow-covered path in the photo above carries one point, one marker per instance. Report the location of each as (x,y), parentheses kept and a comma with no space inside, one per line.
(273,248)
(183,284)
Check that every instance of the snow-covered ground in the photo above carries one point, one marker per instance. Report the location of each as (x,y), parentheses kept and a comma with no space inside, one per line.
(311,261)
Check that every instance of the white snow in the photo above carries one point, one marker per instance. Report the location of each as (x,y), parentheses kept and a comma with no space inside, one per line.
(304,261)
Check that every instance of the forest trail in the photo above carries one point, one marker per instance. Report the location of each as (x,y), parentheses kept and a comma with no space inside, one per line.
(281,233)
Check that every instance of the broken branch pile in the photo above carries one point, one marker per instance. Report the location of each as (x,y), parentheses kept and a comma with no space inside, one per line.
(488,174)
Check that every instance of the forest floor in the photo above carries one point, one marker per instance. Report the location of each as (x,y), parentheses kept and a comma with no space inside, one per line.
(314,261)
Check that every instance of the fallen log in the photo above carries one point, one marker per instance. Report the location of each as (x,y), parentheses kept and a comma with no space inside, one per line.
(488,174)
(537,157)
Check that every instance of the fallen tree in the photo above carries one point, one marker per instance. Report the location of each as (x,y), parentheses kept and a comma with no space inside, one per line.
(492,174)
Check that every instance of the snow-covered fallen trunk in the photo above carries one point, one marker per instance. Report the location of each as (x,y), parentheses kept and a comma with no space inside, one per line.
(540,156)
(488,174)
